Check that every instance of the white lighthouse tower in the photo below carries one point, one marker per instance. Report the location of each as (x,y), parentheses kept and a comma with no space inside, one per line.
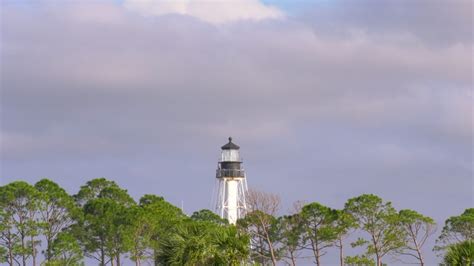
(231,184)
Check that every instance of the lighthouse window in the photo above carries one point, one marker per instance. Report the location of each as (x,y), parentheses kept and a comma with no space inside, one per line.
(230,156)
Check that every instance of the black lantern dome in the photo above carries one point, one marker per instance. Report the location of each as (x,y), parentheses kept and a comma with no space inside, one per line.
(230,145)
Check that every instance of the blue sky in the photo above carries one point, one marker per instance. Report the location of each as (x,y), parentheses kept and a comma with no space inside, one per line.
(328,100)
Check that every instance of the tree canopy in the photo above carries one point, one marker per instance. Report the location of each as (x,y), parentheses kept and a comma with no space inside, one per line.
(42,224)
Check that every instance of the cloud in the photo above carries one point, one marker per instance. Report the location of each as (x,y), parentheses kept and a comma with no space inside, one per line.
(255,79)
(434,22)
(215,12)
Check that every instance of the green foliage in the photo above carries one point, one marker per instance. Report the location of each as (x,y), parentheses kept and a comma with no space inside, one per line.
(92,189)
(344,223)
(264,232)
(56,211)
(103,222)
(363,260)
(408,217)
(291,230)
(204,243)
(380,220)
(148,199)
(3,254)
(360,242)
(319,230)
(460,254)
(66,250)
(138,233)
(19,202)
(233,246)
(9,238)
(163,218)
(117,194)
(417,229)
(102,229)
(54,262)
(457,229)
(208,216)
(318,220)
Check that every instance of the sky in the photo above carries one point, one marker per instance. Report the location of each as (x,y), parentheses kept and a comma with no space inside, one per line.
(328,99)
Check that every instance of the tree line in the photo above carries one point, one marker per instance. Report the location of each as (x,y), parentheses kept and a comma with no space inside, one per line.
(42,224)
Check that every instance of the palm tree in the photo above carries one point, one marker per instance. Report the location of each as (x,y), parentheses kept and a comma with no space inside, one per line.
(204,243)
(233,246)
(460,254)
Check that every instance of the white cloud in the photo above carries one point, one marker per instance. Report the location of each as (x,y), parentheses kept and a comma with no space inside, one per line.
(215,12)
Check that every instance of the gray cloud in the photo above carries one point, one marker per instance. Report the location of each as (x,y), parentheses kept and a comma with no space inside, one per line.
(96,90)
(434,22)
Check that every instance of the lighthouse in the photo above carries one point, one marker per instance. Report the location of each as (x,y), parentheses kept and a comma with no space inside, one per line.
(231,184)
